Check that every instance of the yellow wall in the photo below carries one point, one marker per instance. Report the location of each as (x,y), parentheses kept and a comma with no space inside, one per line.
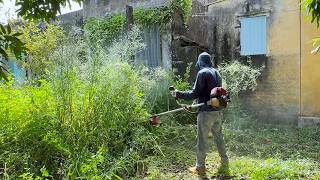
(310,71)
(277,97)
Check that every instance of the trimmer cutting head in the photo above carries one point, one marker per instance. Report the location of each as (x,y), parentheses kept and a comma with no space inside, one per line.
(154,120)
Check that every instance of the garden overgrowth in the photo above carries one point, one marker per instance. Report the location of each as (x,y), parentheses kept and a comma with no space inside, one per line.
(88,120)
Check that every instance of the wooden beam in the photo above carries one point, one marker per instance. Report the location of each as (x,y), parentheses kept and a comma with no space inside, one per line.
(129,16)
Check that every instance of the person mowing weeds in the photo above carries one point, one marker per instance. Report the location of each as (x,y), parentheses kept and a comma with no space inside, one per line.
(209,118)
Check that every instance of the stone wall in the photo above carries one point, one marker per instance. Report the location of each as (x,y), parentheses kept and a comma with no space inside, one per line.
(102,8)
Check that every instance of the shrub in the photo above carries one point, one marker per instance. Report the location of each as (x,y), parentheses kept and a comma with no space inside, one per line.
(239,77)
(41,40)
(27,115)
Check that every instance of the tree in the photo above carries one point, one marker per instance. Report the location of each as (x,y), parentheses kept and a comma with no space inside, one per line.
(43,10)
(313,9)
(9,40)
(30,10)
(40,41)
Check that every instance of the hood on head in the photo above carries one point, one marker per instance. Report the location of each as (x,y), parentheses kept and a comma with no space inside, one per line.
(204,60)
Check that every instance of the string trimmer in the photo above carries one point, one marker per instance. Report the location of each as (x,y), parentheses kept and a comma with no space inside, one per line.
(219,99)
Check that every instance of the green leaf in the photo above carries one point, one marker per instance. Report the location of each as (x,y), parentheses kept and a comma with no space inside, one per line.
(12,38)
(17,34)
(44,172)
(8,29)
(3,53)
(3,29)
(3,72)
(3,75)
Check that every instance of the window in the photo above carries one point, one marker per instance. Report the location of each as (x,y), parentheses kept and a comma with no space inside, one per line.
(253,36)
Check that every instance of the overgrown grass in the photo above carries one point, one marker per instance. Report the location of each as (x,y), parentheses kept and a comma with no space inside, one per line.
(88,120)
(256,152)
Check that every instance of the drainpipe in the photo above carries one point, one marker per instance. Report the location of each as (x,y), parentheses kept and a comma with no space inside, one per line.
(300,61)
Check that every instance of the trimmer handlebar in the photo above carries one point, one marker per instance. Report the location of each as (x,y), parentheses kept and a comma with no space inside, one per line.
(171,88)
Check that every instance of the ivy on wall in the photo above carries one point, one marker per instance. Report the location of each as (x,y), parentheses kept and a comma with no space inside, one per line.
(185,6)
(103,30)
(146,17)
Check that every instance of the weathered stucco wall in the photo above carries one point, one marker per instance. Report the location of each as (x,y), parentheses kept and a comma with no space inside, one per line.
(276,99)
(310,72)
(188,40)
(288,90)
(197,26)
(223,34)
(96,8)
(71,19)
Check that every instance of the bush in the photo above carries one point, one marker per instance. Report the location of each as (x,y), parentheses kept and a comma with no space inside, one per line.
(27,114)
(237,78)
(41,40)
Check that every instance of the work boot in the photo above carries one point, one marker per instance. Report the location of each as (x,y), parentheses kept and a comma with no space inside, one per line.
(224,167)
(197,170)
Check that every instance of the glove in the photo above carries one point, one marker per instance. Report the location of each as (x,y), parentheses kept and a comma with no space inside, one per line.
(185,106)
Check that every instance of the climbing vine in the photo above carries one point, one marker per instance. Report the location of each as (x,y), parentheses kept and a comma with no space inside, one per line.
(103,30)
(146,17)
(185,6)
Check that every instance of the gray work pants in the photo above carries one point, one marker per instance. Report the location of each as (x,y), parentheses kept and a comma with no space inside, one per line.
(209,121)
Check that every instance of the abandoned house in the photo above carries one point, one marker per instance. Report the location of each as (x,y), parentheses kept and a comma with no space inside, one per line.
(277,35)
(272,33)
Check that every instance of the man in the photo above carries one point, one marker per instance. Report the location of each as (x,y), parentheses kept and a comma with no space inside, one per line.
(209,118)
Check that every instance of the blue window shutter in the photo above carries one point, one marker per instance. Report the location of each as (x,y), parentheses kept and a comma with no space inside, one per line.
(18,73)
(253,36)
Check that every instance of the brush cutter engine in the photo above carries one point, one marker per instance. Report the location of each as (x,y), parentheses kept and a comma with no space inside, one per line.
(219,98)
